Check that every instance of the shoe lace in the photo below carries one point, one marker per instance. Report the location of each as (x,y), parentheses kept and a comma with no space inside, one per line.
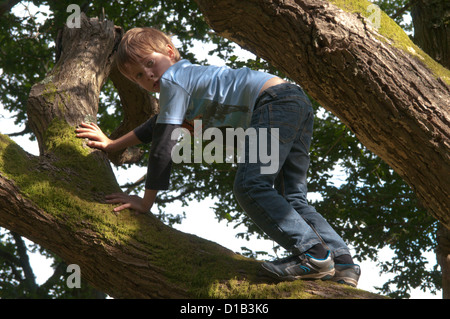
(289,259)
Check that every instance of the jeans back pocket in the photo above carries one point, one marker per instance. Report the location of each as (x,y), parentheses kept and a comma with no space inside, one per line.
(286,115)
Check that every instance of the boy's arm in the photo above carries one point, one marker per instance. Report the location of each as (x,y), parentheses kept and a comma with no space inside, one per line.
(144,132)
(160,159)
(142,205)
(158,174)
(97,139)
(127,140)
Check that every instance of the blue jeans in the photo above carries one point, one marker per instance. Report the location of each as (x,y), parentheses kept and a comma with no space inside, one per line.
(276,201)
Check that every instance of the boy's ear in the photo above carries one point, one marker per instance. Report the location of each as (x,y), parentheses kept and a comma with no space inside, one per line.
(171,51)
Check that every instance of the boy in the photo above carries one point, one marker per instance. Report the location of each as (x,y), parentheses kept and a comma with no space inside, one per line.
(223,97)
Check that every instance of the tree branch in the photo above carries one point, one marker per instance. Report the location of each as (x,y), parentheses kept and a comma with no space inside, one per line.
(129,255)
(401,11)
(24,262)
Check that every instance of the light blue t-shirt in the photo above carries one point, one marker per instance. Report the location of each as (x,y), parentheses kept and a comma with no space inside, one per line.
(219,96)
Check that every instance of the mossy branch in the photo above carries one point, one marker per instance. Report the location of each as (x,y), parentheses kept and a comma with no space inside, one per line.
(65,188)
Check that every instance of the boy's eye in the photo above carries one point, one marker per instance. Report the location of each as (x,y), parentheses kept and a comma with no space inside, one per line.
(139,75)
(150,63)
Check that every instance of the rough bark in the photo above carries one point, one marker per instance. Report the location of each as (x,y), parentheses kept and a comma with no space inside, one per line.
(389,93)
(84,57)
(56,199)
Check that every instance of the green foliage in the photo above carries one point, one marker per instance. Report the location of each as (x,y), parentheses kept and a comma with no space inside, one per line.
(25,57)
(371,207)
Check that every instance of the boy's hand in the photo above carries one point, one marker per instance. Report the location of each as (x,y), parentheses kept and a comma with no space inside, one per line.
(141,205)
(95,135)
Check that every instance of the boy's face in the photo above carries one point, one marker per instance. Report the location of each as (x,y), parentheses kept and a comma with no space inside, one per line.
(150,69)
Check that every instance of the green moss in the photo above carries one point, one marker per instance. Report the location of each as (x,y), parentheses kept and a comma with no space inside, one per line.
(60,139)
(206,263)
(393,33)
(241,289)
(50,91)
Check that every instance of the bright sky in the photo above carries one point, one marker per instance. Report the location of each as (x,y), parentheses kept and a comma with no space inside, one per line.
(200,218)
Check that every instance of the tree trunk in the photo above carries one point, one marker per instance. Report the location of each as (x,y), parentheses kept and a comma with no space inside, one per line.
(386,90)
(56,199)
(432,34)
(431,20)
(443,258)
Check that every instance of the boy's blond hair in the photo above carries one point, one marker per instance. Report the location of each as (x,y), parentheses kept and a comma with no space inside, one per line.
(138,42)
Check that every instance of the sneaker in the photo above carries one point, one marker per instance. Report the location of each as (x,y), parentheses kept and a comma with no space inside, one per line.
(347,274)
(302,266)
